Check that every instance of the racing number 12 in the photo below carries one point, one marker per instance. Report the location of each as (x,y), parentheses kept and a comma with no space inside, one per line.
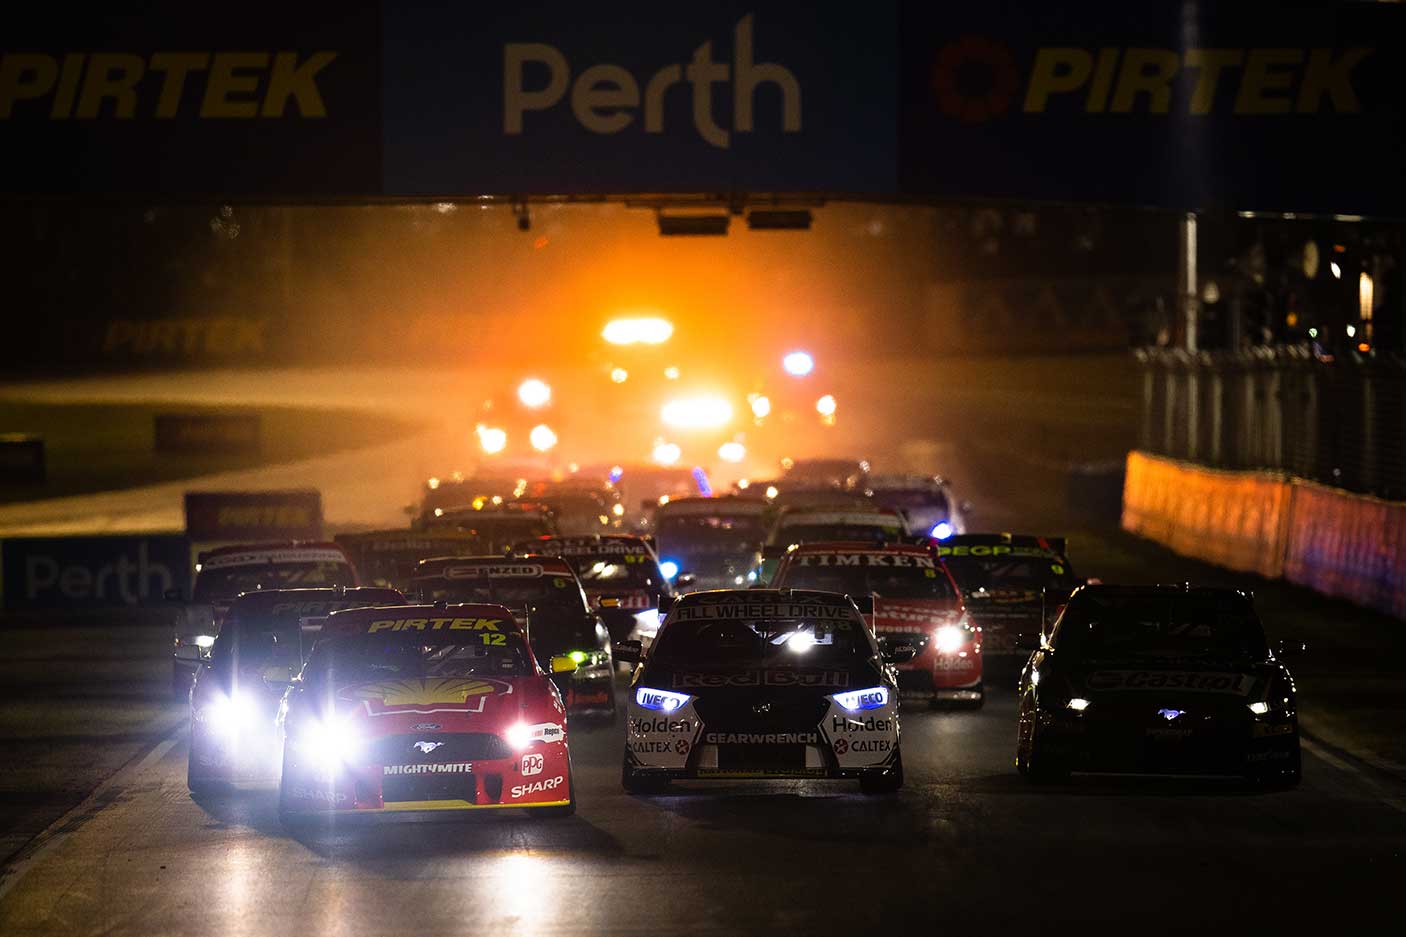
(495,640)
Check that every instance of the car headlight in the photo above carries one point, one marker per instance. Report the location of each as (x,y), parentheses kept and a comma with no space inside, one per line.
(859,700)
(661,700)
(331,744)
(669,569)
(1259,707)
(941,530)
(1078,704)
(949,639)
(229,715)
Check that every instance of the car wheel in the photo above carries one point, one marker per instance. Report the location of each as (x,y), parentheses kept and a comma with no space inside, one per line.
(636,783)
(885,782)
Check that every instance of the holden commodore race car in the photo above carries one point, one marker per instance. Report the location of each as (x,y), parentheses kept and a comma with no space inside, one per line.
(620,575)
(715,541)
(547,599)
(234,702)
(424,707)
(915,602)
(1158,679)
(222,574)
(1013,584)
(763,683)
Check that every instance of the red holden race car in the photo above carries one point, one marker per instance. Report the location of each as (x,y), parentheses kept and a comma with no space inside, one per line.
(424,707)
(915,602)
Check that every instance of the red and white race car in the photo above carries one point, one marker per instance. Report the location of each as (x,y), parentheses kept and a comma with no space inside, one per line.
(424,707)
(915,603)
(221,575)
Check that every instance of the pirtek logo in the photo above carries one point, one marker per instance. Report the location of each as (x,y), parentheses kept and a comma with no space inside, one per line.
(975,80)
(84,86)
(604,97)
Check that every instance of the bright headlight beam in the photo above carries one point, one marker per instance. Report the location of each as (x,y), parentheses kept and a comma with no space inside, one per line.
(825,406)
(667,453)
(542,437)
(798,363)
(645,330)
(492,440)
(697,413)
(732,452)
(534,393)
(949,639)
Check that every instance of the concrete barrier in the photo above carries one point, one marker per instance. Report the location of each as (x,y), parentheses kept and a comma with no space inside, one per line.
(1338,543)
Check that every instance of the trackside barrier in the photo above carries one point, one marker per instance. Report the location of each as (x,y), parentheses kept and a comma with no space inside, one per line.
(1341,544)
(1233,519)
(1349,546)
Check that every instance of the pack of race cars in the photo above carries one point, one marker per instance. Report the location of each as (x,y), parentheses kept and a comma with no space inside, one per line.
(442,667)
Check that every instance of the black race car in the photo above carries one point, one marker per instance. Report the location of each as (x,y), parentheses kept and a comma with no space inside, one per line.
(621,576)
(1161,680)
(1013,584)
(768,683)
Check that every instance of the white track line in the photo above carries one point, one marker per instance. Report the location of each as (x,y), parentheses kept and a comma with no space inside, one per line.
(1382,794)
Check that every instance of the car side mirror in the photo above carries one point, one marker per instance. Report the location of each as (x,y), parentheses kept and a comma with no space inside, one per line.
(629,652)
(684,580)
(1291,649)
(865,603)
(900,654)
(563,664)
(666,602)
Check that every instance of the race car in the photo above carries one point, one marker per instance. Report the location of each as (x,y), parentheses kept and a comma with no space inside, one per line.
(620,575)
(915,602)
(424,707)
(925,501)
(580,507)
(498,526)
(716,541)
(1013,584)
(797,525)
(222,574)
(845,474)
(234,702)
(551,606)
(389,557)
(763,684)
(1158,679)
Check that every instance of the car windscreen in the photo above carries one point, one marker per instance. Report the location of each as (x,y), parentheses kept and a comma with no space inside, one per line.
(555,593)
(362,658)
(977,574)
(226,582)
(810,533)
(765,642)
(911,498)
(891,582)
(270,642)
(626,570)
(706,530)
(1101,627)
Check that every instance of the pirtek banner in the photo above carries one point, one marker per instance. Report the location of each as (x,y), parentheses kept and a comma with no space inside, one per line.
(253,515)
(1168,103)
(93,572)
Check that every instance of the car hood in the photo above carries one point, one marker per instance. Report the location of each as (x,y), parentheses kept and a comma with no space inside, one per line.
(918,616)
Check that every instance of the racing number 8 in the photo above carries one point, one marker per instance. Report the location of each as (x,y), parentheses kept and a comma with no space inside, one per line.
(494,640)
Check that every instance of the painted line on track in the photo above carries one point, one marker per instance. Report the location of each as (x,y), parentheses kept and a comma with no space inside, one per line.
(55,833)
(1343,761)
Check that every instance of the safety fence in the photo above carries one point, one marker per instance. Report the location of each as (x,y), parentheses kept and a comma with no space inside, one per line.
(1342,544)
(1339,420)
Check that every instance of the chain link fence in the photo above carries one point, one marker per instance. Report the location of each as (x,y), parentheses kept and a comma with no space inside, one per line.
(1337,420)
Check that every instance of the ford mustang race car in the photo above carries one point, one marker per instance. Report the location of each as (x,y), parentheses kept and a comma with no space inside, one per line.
(222,574)
(717,541)
(620,574)
(1013,584)
(433,707)
(914,602)
(763,684)
(234,703)
(1158,679)
(547,598)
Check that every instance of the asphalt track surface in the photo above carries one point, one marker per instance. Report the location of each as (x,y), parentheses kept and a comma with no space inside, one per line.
(967,845)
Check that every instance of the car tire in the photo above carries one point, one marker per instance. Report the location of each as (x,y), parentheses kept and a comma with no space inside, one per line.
(636,783)
(889,781)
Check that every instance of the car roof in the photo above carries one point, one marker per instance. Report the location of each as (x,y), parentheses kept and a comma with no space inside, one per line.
(1164,590)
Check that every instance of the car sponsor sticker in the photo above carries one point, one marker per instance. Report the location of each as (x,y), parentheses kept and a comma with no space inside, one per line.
(909,560)
(537,787)
(455,767)
(1161,680)
(532,763)
(440,624)
(762,611)
(502,571)
(761,738)
(796,678)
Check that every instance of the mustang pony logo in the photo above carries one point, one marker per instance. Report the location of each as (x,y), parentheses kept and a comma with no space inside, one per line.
(409,695)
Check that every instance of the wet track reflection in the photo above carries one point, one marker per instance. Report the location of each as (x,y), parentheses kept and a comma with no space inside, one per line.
(966,844)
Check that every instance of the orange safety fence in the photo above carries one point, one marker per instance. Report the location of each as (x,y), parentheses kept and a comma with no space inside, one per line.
(1349,546)
(1234,519)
